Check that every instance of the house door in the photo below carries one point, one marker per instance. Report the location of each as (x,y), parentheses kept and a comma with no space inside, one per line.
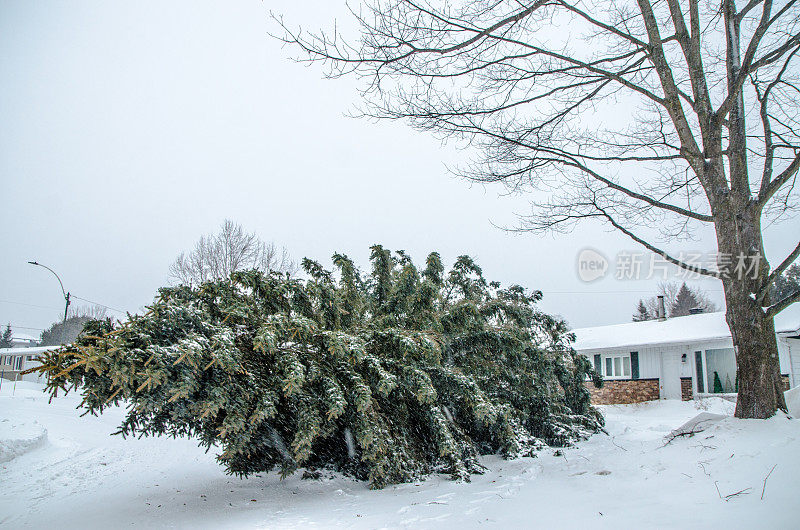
(670,380)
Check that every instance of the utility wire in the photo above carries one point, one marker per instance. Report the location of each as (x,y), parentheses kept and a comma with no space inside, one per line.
(14,326)
(52,307)
(99,304)
(30,305)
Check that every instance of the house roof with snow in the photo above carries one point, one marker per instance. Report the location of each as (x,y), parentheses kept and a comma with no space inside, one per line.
(692,328)
(23,337)
(27,351)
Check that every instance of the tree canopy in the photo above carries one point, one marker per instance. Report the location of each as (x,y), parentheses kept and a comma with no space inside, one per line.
(6,337)
(386,376)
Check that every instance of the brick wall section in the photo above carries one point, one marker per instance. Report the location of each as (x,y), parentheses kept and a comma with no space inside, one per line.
(686,389)
(623,391)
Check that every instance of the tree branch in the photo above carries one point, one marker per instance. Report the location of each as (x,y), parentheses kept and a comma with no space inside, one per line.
(777,272)
(774,185)
(603,25)
(779,306)
(671,100)
(565,158)
(641,197)
(749,63)
(746,9)
(775,54)
(653,248)
(690,46)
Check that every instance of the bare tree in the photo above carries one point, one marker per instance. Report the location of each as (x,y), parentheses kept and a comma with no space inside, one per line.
(218,255)
(93,312)
(668,114)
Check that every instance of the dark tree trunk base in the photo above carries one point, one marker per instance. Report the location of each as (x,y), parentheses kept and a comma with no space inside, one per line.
(760,385)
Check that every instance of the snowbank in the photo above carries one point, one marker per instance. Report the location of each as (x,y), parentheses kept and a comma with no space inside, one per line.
(19,438)
(793,401)
(633,477)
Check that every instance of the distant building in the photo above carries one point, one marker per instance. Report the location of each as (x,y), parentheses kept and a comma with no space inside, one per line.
(16,360)
(22,340)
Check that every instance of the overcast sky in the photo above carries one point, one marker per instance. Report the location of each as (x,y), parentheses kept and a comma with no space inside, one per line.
(130,129)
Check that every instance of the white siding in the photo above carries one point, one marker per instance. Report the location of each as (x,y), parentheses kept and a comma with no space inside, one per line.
(793,347)
(650,357)
(649,363)
(783,355)
(34,377)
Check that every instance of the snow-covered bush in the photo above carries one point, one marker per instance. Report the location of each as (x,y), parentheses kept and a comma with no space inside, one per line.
(384,377)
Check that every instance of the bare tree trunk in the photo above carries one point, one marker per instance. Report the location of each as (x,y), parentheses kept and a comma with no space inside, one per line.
(760,392)
(738,227)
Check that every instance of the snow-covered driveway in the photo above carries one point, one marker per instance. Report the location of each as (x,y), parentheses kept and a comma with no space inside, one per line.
(58,470)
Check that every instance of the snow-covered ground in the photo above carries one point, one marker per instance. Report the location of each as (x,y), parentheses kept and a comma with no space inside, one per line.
(58,470)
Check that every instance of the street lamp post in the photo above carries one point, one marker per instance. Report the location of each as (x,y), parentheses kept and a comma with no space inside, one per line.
(66,294)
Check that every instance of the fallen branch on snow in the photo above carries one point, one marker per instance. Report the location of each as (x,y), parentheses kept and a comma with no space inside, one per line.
(675,435)
(740,492)
(729,496)
(764,487)
(617,445)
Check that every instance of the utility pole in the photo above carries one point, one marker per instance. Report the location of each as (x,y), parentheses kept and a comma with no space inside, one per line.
(63,292)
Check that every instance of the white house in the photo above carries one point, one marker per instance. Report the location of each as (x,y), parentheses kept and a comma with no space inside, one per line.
(16,360)
(675,358)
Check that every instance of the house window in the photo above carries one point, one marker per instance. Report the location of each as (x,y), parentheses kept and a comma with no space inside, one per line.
(18,363)
(716,371)
(720,372)
(618,366)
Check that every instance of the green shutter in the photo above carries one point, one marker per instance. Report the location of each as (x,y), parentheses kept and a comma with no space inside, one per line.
(597,364)
(634,365)
(698,362)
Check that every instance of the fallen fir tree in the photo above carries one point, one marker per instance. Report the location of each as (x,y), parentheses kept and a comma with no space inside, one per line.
(386,377)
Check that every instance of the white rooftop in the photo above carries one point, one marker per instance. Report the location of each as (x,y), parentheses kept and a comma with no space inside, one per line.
(23,337)
(27,351)
(692,328)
